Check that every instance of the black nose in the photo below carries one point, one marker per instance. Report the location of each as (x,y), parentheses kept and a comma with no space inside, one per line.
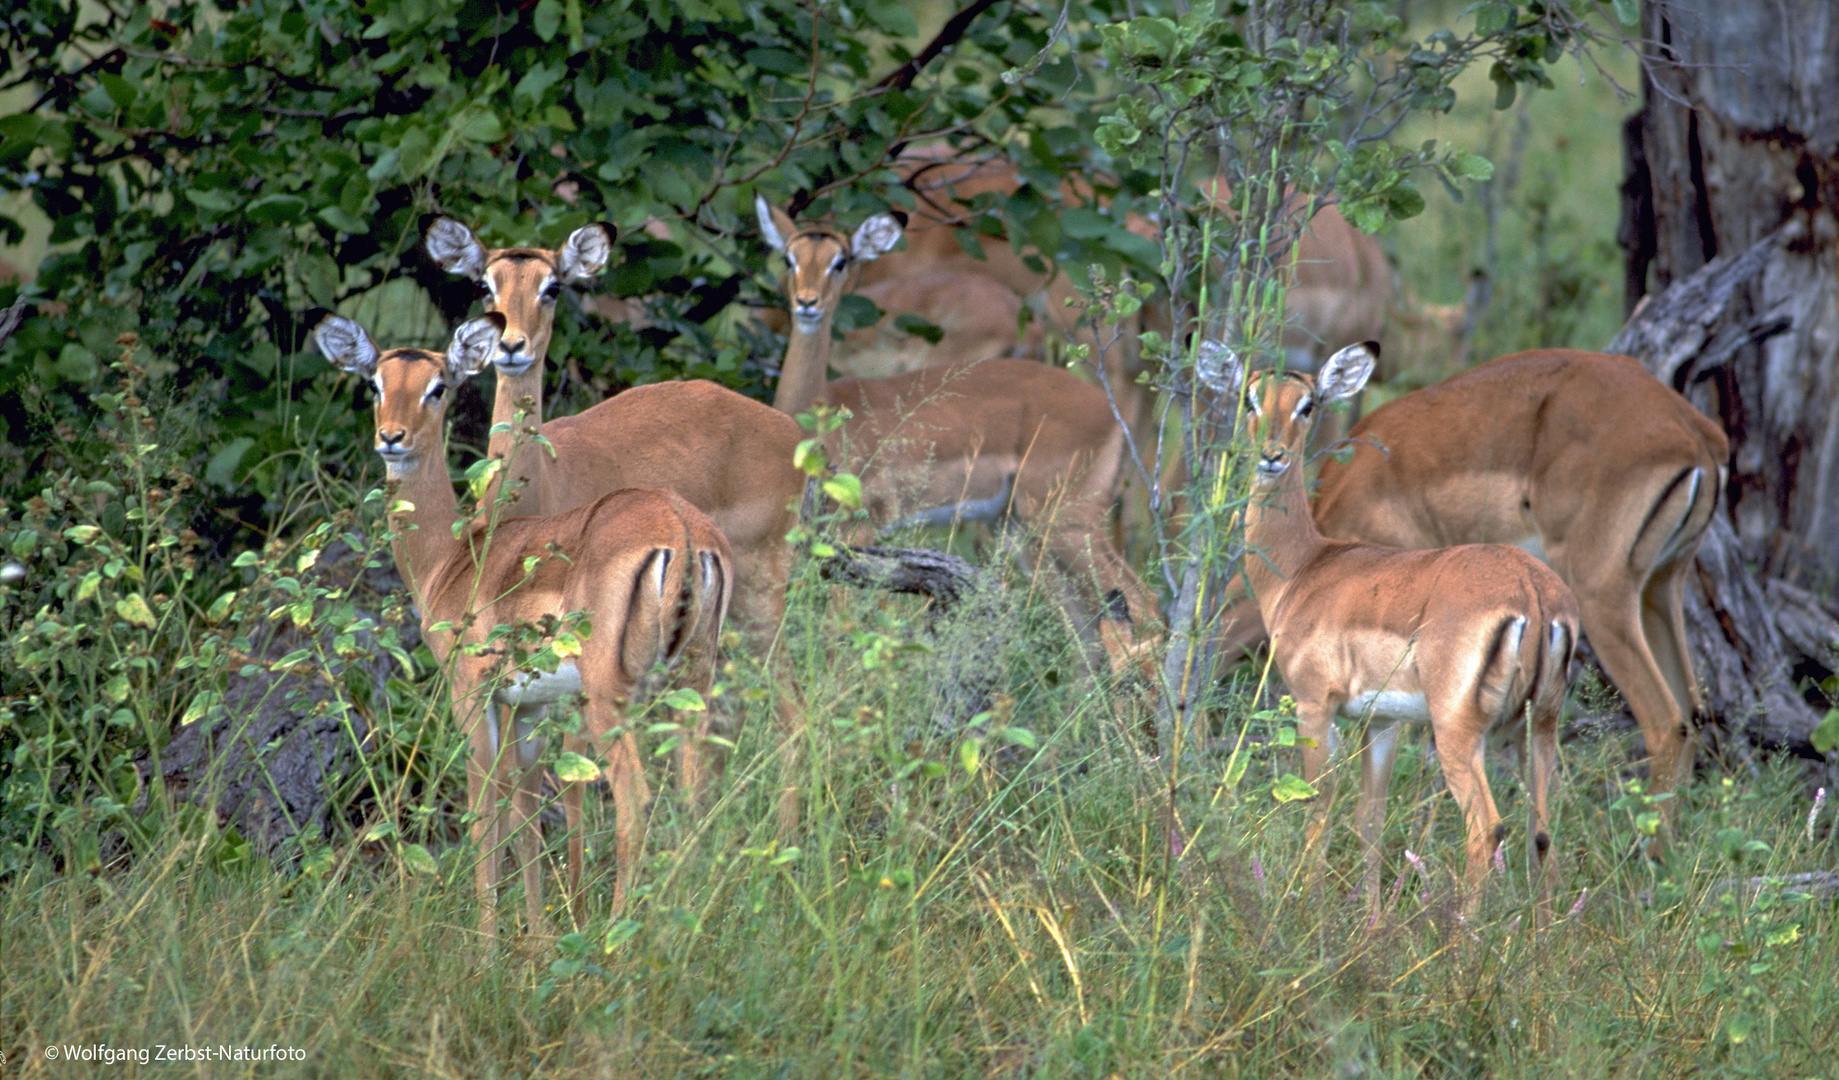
(514,345)
(392,439)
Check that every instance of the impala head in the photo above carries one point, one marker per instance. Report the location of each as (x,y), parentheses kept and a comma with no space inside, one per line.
(522,284)
(820,261)
(414,386)
(1282,405)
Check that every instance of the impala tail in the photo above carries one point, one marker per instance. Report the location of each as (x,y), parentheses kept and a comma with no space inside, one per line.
(1677,518)
(679,599)
(1527,660)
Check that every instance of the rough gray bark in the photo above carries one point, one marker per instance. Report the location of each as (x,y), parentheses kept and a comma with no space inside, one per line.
(1738,139)
(1746,665)
(971,621)
(284,745)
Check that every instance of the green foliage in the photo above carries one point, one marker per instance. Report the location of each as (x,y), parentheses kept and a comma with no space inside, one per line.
(212,170)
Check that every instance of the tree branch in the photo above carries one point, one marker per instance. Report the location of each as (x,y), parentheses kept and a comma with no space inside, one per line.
(949,34)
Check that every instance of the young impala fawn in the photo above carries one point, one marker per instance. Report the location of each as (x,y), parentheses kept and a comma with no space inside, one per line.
(1468,639)
(651,571)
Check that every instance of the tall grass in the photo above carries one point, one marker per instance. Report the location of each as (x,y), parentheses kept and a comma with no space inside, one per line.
(1011,910)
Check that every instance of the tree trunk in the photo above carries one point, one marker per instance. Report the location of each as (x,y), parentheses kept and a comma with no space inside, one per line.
(1739,138)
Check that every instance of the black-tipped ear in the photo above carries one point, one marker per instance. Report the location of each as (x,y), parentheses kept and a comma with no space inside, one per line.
(900,216)
(586,253)
(475,343)
(345,344)
(1344,373)
(453,247)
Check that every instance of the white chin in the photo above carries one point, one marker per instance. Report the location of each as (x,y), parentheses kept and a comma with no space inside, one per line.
(515,367)
(808,323)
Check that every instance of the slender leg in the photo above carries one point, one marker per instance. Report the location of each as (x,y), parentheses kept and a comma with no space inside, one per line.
(479,719)
(577,841)
(631,794)
(1461,744)
(1614,624)
(1376,760)
(527,831)
(1542,765)
(1314,721)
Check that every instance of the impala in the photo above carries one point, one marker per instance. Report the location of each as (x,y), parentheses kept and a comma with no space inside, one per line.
(1472,640)
(968,433)
(651,571)
(728,455)
(1586,461)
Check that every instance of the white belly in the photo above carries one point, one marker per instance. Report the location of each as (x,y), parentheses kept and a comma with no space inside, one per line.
(530,689)
(1387,707)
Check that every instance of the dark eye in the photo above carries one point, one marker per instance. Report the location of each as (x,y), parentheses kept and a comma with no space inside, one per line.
(435,390)
(550,292)
(837,266)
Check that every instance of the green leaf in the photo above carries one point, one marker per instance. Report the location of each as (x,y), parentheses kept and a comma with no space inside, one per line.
(1825,738)
(118,688)
(90,584)
(683,699)
(891,16)
(845,488)
(1290,787)
(276,209)
(417,860)
(1738,1027)
(201,707)
(1504,88)
(547,19)
(970,754)
(382,830)
(1628,12)
(220,608)
(133,608)
(120,91)
(222,468)
(1474,167)
(920,328)
(572,768)
(479,126)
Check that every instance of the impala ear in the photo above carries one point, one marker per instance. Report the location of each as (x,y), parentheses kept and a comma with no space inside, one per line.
(1218,367)
(1347,371)
(474,345)
(586,253)
(875,237)
(776,226)
(346,345)
(455,249)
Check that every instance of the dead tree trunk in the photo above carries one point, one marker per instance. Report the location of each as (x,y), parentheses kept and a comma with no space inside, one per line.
(1739,138)
(1731,205)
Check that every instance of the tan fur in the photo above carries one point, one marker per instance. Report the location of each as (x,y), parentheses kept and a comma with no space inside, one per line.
(1350,620)
(952,434)
(1584,454)
(728,455)
(652,573)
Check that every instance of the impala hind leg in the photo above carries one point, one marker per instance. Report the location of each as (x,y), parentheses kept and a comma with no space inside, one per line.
(1613,622)
(478,718)
(1541,767)
(1462,746)
(625,773)
(759,611)
(577,842)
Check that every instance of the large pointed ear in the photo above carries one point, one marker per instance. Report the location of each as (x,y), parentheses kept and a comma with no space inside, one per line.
(346,345)
(455,249)
(1344,373)
(1218,367)
(875,237)
(474,345)
(586,253)
(776,226)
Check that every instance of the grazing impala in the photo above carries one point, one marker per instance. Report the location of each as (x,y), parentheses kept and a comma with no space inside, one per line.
(1583,459)
(651,571)
(729,455)
(1471,640)
(969,433)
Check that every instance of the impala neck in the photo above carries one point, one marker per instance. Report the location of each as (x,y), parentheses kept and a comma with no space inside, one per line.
(529,461)
(424,536)
(803,376)
(1280,536)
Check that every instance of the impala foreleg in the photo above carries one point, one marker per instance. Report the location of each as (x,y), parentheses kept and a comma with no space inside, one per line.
(1377,754)
(1315,730)
(479,719)
(526,785)
(631,803)
(577,853)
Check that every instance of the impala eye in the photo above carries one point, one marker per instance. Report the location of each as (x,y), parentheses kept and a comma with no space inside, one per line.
(837,265)
(551,289)
(435,390)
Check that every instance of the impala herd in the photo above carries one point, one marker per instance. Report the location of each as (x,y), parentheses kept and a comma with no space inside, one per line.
(1444,575)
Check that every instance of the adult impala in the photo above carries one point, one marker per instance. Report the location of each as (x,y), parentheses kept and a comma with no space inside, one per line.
(1471,640)
(1032,435)
(728,455)
(651,571)
(1583,459)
